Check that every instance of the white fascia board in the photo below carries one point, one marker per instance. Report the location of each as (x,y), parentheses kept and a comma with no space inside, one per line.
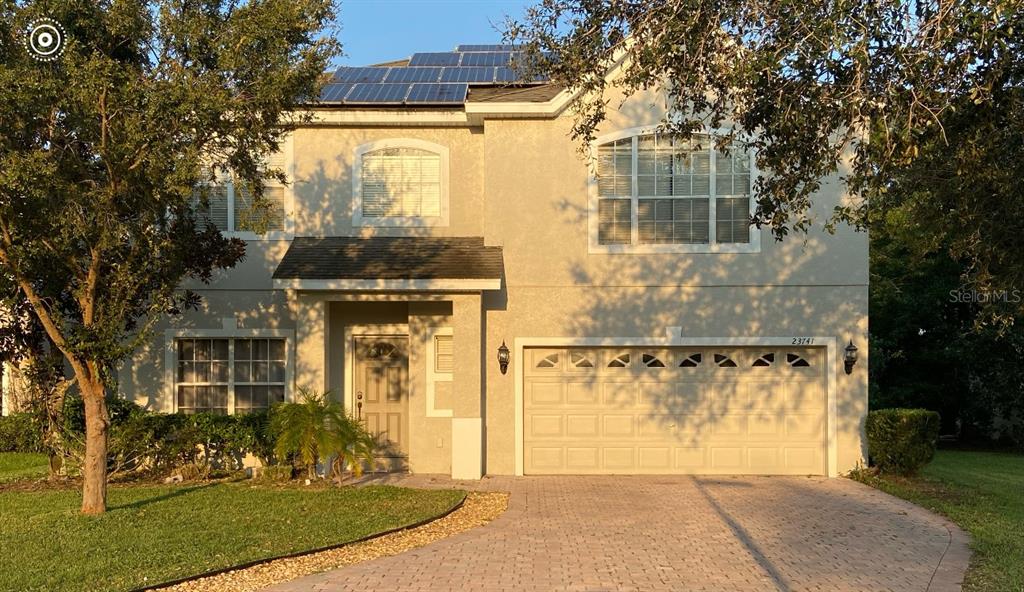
(397,117)
(405,285)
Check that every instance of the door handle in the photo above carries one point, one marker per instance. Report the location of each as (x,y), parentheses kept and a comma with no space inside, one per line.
(359,405)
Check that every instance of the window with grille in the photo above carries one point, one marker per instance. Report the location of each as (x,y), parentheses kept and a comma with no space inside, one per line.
(401,182)
(230,205)
(229,375)
(662,189)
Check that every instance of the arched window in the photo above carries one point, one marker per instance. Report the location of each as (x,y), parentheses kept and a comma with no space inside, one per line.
(400,183)
(663,192)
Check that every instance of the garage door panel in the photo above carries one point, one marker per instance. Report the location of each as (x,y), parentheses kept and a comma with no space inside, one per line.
(804,427)
(728,425)
(618,426)
(583,458)
(766,396)
(803,396)
(759,426)
(690,458)
(545,393)
(582,393)
(763,459)
(671,427)
(544,426)
(615,394)
(680,410)
(582,426)
(659,458)
(727,458)
(802,460)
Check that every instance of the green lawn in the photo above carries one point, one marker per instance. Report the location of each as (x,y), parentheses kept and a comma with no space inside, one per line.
(983,492)
(156,534)
(21,465)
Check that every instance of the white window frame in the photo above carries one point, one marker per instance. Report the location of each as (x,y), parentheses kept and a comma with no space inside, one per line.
(171,337)
(433,376)
(358,219)
(286,233)
(595,247)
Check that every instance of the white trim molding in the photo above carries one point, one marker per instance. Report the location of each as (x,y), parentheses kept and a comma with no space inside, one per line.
(593,199)
(358,219)
(433,376)
(403,285)
(225,332)
(676,340)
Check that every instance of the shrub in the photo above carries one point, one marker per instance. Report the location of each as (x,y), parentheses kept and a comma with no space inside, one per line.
(315,429)
(21,432)
(902,441)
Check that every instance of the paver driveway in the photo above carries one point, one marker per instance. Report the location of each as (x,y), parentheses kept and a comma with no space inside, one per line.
(677,533)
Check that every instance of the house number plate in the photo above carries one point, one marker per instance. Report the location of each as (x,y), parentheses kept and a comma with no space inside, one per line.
(803,341)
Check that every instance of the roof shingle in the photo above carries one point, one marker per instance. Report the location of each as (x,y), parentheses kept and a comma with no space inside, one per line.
(390,258)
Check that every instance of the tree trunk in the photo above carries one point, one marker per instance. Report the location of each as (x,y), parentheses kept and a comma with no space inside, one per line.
(94,468)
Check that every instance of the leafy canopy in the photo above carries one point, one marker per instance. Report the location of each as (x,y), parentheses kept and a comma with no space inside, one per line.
(922,95)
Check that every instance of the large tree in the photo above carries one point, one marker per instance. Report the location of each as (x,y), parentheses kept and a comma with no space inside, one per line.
(101,148)
(925,95)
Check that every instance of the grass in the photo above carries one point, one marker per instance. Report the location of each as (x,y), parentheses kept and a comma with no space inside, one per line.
(983,492)
(156,534)
(22,465)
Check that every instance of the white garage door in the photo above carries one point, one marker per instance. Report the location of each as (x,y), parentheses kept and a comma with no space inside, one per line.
(674,410)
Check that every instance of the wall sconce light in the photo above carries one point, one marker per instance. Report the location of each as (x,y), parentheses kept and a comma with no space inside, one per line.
(503,357)
(850,358)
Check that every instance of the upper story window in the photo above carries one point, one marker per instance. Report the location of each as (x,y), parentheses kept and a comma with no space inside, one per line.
(231,207)
(668,193)
(400,182)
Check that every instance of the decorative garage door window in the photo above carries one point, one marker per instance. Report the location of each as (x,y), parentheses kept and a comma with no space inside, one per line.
(619,361)
(797,361)
(229,375)
(691,361)
(724,361)
(764,360)
(662,189)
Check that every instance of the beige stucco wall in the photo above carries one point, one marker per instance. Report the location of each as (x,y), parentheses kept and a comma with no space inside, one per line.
(522,184)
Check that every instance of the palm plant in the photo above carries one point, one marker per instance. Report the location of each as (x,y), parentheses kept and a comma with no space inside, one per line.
(314,428)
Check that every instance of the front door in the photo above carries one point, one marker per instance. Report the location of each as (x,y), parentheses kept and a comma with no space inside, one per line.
(382,397)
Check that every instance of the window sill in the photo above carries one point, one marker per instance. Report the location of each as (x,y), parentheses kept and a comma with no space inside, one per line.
(396,222)
(718,248)
(277,235)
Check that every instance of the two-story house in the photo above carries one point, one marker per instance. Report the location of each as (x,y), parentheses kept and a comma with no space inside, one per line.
(490,299)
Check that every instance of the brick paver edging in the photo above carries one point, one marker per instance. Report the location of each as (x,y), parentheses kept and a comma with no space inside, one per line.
(248,564)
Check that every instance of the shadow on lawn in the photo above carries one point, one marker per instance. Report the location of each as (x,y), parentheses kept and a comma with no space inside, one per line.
(178,492)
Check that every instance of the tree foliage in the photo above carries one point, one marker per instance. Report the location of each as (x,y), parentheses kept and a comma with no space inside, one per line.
(915,103)
(100,151)
(316,428)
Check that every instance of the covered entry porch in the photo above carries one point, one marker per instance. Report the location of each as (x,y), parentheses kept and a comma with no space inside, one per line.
(394,328)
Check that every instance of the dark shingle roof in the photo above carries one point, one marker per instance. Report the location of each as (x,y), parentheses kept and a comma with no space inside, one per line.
(390,258)
(516,94)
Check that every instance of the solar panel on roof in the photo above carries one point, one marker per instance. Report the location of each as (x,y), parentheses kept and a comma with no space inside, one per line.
(377,93)
(468,75)
(413,75)
(335,92)
(484,47)
(434,59)
(486,59)
(345,74)
(437,93)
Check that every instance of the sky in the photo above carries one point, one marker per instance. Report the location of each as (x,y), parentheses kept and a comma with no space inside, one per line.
(374,31)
